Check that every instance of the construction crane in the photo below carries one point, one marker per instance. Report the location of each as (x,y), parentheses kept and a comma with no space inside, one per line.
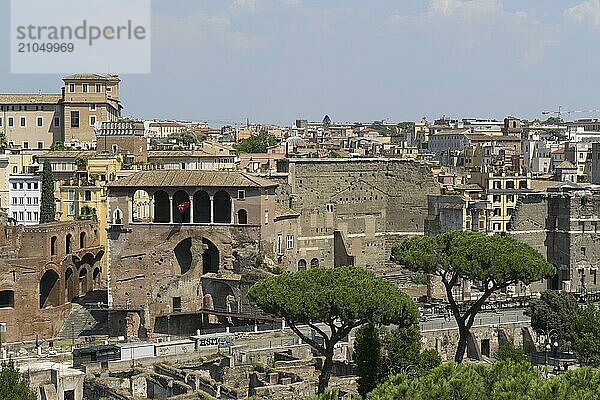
(560,112)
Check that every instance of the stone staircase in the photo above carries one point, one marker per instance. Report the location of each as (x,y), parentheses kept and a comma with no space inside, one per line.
(86,318)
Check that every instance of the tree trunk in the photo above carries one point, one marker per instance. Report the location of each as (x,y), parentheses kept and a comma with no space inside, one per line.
(461,348)
(325,372)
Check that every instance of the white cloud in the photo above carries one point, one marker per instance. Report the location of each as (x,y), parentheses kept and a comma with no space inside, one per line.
(587,12)
(463,26)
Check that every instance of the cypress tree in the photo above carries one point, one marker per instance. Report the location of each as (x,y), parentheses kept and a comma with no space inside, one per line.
(47,206)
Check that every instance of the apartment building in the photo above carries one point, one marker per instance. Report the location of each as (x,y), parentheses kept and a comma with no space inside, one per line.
(25,192)
(37,121)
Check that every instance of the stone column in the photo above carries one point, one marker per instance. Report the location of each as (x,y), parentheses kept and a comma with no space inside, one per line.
(191,199)
(232,212)
(212,209)
(151,209)
(171,209)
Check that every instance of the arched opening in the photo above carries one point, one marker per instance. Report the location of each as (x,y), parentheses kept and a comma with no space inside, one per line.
(302,265)
(53,246)
(69,285)
(210,257)
(117,217)
(162,207)
(7,298)
(82,240)
(314,263)
(242,217)
(68,243)
(183,255)
(83,282)
(96,278)
(201,207)
(49,289)
(221,294)
(181,207)
(141,206)
(222,207)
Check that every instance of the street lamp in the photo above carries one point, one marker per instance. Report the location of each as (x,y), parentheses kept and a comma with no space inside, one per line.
(550,341)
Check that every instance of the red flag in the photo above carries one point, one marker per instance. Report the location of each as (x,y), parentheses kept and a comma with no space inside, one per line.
(183,206)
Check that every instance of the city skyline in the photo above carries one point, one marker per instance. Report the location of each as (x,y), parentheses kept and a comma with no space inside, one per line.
(275,61)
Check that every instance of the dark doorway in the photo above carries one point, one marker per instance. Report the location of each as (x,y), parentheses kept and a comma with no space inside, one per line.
(222,207)
(162,207)
(485,347)
(49,289)
(181,207)
(183,255)
(201,207)
(210,257)
(242,217)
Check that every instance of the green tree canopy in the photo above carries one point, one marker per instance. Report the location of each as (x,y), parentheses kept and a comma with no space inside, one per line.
(13,384)
(257,143)
(47,204)
(510,352)
(185,138)
(380,353)
(495,261)
(585,335)
(332,301)
(554,310)
(498,381)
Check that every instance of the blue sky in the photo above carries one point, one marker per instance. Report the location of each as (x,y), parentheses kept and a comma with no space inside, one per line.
(277,60)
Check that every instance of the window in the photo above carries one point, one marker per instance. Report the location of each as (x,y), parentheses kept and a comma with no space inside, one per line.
(92,107)
(29,200)
(71,194)
(72,88)
(84,88)
(14,200)
(98,88)
(497,212)
(241,194)
(28,215)
(496,198)
(279,244)
(510,185)
(14,185)
(35,185)
(14,215)
(25,145)
(497,184)
(20,200)
(87,195)
(20,184)
(35,200)
(0,121)
(593,276)
(266,217)
(56,121)
(71,209)
(74,119)
(40,121)
(290,241)
(53,245)
(21,215)
(92,120)
(11,122)
(36,216)
(496,226)
(330,207)
(583,251)
(23,122)
(40,145)
(510,198)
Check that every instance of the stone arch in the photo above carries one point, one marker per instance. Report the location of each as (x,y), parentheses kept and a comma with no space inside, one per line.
(314,263)
(183,255)
(50,289)
(82,240)
(210,257)
(301,264)
(242,217)
(141,206)
(222,295)
(68,243)
(69,285)
(83,281)
(53,240)
(201,207)
(222,207)
(181,207)
(162,207)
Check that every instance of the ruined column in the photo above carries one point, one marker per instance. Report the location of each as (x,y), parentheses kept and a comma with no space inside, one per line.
(191,200)
(232,213)
(151,209)
(212,208)
(171,209)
